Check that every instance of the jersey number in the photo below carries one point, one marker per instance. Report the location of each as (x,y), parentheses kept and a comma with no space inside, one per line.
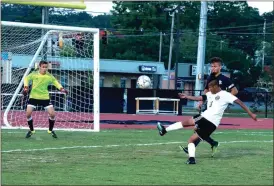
(210,104)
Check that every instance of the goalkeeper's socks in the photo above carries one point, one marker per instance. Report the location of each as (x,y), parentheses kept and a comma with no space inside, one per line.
(51,124)
(30,123)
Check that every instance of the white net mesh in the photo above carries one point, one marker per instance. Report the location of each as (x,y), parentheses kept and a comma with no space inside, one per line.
(70,56)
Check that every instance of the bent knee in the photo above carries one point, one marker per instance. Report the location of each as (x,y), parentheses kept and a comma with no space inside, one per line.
(28,114)
(191,141)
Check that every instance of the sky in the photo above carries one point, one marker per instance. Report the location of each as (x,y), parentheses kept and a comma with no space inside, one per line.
(107,6)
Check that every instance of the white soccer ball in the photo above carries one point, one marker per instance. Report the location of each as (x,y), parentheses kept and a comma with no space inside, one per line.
(144,82)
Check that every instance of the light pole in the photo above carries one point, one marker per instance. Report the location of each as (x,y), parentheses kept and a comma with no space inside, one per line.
(201,49)
(263,46)
(177,50)
(170,49)
(160,47)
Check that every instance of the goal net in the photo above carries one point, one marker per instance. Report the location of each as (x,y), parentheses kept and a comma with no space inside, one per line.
(73,57)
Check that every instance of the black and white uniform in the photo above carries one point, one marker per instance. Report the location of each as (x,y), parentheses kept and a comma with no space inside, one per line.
(224,82)
(209,120)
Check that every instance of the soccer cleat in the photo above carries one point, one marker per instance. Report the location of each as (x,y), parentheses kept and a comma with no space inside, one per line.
(191,160)
(30,133)
(185,149)
(214,148)
(53,134)
(161,128)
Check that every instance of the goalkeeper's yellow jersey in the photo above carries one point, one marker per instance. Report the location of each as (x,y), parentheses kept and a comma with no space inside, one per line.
(40,84)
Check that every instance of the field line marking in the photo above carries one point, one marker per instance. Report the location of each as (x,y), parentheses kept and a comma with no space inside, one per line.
(123,145)
(147,130)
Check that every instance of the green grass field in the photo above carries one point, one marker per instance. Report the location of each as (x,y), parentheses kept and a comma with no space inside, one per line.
(135,157)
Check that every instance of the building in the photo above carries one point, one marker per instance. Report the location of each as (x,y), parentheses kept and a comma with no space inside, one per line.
(73,71)
(186,76)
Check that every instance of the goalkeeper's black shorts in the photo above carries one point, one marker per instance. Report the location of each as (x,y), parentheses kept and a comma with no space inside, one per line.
(38,102)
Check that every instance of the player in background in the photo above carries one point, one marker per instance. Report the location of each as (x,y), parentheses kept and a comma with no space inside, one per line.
(39,95)
(206,123)
(225,84)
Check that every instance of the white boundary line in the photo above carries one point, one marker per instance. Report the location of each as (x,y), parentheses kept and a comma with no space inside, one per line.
(125,145)
(147,130)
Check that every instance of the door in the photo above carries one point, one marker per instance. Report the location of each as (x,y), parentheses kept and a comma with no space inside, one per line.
(133,83)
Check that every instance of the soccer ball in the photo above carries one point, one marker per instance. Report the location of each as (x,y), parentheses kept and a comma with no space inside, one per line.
(144,82)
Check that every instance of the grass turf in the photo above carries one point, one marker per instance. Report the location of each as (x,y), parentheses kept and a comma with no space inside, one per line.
(135,157)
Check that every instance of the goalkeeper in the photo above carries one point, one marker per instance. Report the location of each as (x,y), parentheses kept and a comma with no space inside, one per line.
(39,95)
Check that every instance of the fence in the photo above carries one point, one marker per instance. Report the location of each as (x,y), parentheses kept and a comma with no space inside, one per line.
(120,100)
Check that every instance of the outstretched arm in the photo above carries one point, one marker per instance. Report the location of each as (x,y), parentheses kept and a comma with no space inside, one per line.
(56,83)
(252,115)
(26,84)
(201,102)
(59,86)
(27,79)
(194,98)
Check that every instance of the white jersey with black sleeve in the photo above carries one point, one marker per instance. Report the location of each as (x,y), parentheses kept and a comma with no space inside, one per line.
(216,105)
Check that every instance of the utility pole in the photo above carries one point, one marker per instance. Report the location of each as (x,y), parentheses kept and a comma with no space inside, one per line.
(175,10)
(177,49)
(199,83)
(263,45)
(221,42)
(160,47)
(45,20)
(170,48)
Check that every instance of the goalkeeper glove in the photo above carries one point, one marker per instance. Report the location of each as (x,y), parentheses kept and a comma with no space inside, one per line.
(64,90)
(25,90)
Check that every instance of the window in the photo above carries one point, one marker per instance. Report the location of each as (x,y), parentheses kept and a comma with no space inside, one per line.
(64,79)
(180,84)
(101,82)
(123,82)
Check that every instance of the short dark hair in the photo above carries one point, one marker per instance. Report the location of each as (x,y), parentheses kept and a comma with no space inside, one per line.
(216,60)
(214,82)
(43,63)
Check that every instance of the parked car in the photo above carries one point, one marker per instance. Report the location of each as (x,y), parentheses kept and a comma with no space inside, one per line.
(251,94)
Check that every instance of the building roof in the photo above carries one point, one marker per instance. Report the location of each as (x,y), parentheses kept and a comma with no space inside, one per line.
(84,64)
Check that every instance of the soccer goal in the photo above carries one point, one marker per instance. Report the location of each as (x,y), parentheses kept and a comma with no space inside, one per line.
(73,57)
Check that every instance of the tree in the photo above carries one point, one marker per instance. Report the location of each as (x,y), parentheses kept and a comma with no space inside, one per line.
(134,31)
(234,15)
(143,22)
(58,16)
(21,13)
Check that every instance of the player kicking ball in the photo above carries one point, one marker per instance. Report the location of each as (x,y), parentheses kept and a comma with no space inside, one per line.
(39,95)
(206,123)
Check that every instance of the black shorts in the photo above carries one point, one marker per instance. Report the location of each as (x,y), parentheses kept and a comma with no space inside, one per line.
(38,102)
(204,127)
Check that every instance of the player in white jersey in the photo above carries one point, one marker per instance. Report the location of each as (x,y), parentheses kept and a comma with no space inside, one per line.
(206,123)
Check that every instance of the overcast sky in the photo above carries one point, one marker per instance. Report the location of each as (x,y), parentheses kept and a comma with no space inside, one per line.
(107,6)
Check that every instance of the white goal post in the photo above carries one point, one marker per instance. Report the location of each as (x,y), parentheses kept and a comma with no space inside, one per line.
(73,57)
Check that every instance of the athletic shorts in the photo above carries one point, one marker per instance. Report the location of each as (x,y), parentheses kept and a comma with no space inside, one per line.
(37,102)
(204,127)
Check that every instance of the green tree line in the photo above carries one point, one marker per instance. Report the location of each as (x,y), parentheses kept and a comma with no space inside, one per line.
(234,32)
